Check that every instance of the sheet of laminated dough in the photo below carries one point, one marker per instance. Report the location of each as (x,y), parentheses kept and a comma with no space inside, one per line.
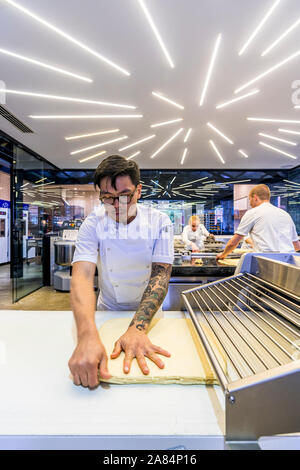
(188,363)
(228,262)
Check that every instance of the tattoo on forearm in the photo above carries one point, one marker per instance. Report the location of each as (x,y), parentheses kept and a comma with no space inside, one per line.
(153,296)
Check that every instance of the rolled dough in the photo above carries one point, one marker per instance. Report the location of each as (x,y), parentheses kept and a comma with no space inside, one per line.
(188,363)
(228,262)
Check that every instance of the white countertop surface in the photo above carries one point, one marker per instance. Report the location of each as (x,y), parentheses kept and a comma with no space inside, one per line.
(37,396)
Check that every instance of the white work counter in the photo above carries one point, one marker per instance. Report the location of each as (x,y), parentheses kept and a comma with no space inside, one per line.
(41,408)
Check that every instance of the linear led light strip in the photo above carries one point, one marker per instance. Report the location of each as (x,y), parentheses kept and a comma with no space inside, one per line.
(99,145)
(195,181)
(242,97)
(288,31)
(287,131)
(44,184)
(92,156)
(74,137)
(210,69)
(268,136)
(42,64)
(243,153)
(183,156)
(39,181)
(286,121)
(85,116)
(217,151)
(161,97)
(65,98)
(278,150)
(239,181)
(259,27)
(137,142)
(157,184)
(187,135)
(167,142)
(133,155)
(220,133)
(292,182)
(165,123)
(155,30)
(66,36)
(264,74)
(179,194)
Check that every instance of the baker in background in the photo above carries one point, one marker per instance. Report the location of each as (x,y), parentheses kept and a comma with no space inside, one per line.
(194,234)
(271,229)
(135,244)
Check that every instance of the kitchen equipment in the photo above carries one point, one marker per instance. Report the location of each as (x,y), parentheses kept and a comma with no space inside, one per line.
(64,251)
(255,315)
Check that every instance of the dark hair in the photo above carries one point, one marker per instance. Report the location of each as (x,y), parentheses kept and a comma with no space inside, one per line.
(115,166)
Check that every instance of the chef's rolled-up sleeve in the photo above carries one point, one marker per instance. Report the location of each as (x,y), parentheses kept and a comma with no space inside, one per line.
(163,250)
(246,225)
(87,242)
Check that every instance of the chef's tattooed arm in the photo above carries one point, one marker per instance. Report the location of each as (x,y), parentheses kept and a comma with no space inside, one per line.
(135,342)
(153,296)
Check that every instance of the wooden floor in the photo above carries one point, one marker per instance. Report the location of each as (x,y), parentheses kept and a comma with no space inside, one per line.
(45,298)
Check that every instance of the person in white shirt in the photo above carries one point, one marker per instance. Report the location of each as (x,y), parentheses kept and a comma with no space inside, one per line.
(271,229)
(194,234)
(135,247)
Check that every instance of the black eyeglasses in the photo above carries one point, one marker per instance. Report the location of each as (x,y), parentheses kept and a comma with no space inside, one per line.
(125,198)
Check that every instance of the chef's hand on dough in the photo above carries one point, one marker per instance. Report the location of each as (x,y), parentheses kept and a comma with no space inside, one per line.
(220,256)
(135,343)
(195,249)
(88,360)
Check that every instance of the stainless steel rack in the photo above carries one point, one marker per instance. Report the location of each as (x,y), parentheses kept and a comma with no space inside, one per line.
(257,322)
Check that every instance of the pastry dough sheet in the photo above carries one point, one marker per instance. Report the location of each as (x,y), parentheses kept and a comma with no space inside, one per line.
(188,363)
(229,262)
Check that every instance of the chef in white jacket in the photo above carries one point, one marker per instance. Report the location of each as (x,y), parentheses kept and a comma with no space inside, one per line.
(132,246)
(271,229)
(194,234)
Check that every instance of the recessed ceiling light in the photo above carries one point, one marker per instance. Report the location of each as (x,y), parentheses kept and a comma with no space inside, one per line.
(165,123)
(92,156)
(74,137)
(242,97)
(278,150)
(187,135)
(133,155)
(155,30)
(167,142)
(161,97)
(65,98)
(220,133)
(276,138)
(46,66)
(210,69)
(99,145)
(137,142)
(66,36)
(216,150)
(264,74)
(183,156)
(287,131)
(242,153)
(286,121)
(288,31)
(261,24)
(86,116)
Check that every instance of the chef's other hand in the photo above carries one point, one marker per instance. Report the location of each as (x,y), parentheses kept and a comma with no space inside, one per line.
(88,361)
(135,343)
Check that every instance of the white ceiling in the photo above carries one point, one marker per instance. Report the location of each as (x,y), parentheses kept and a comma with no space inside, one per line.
(119,30)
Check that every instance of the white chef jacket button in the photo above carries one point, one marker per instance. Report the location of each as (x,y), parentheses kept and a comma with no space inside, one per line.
(148,266)
(116,285)
(108,249)
(111,270)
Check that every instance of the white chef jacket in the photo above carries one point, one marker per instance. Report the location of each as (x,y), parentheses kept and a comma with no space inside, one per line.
(197,237)
(124,253)
(271,229)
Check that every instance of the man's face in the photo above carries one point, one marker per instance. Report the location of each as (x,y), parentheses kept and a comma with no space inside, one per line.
(120,210)
(194,226)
